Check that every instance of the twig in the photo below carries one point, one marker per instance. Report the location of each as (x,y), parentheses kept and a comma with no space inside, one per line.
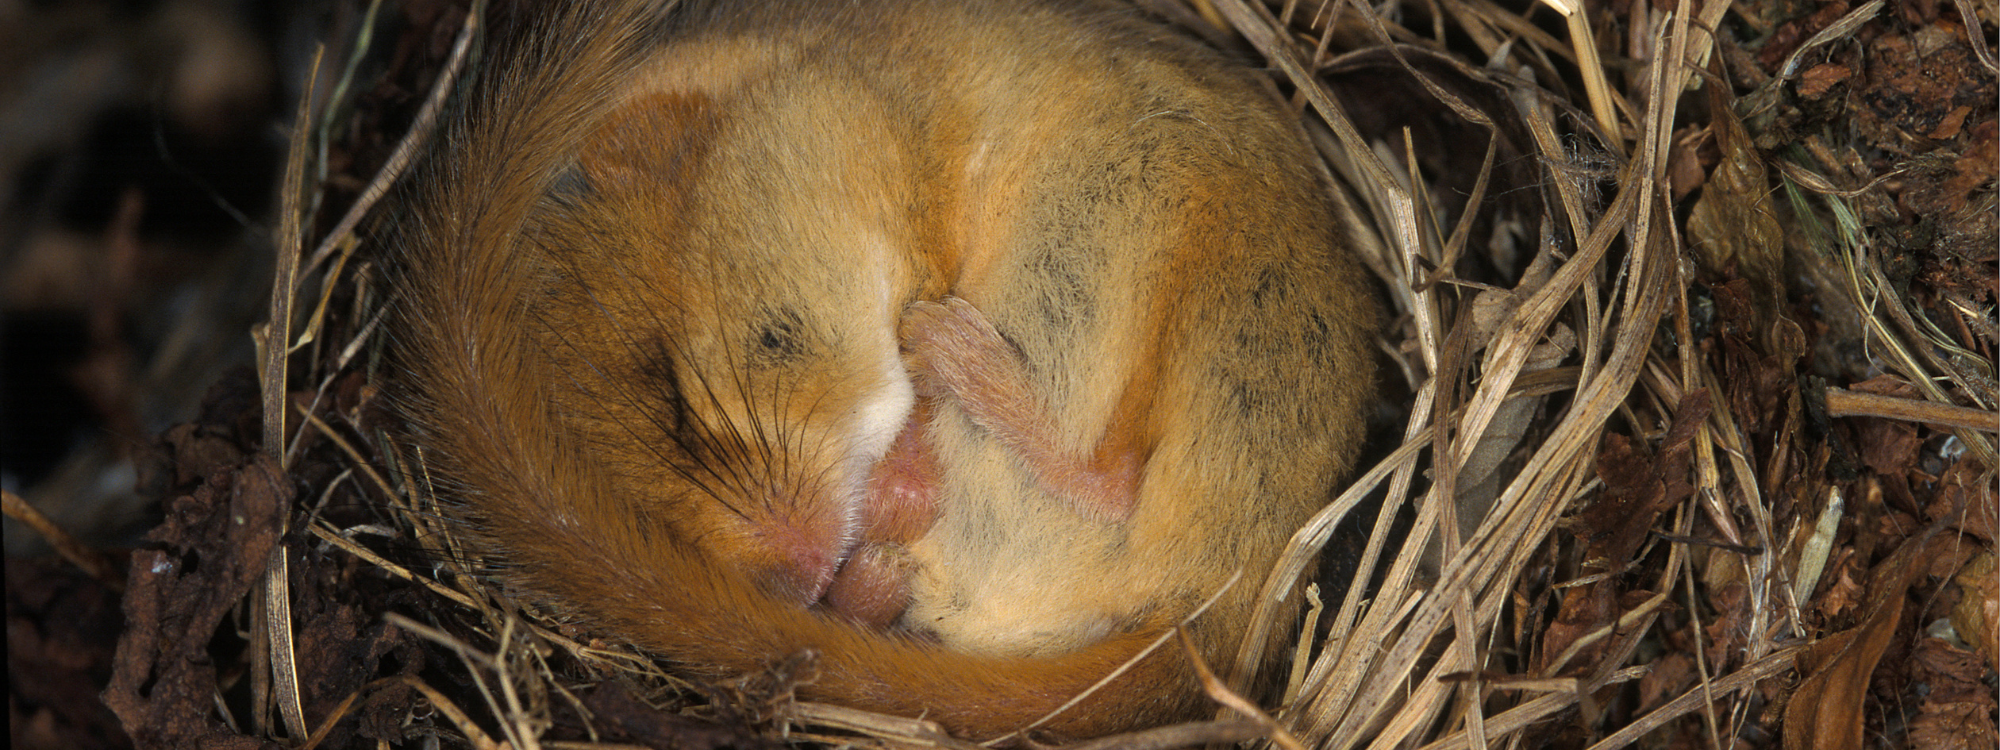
(93,562)
(397,570)
(1841,402)
(1223,695)
(1694,698)
(406,150)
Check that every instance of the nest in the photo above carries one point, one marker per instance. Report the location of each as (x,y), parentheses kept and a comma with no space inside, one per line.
(1617,499)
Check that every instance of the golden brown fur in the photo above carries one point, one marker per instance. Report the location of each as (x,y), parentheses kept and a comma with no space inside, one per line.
(678,281)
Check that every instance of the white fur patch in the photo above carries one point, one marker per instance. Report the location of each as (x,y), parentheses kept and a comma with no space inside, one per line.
(880,416)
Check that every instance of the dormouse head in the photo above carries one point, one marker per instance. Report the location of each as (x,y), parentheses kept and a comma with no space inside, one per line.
(705,301)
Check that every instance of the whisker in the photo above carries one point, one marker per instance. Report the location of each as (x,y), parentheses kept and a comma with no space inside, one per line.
(687,441)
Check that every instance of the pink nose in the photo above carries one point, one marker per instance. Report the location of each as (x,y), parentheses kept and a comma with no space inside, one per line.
(801,555)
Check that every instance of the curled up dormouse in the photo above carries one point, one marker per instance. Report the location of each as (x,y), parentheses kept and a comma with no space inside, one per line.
(970,346)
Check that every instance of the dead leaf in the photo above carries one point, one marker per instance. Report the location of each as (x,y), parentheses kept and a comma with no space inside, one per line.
(218,542)
(1966,500)
(1974,167)
(1685,171)
(1887,446)
(1670,676)
(1977,615)
(1954,726)
(1638,488)
(1844,593)
(1816,80)
(1759,358)
(1734,224)
(1731,630)
(1826,712)
(1949,673)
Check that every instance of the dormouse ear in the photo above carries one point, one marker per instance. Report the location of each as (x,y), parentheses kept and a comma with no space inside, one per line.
(652,144)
